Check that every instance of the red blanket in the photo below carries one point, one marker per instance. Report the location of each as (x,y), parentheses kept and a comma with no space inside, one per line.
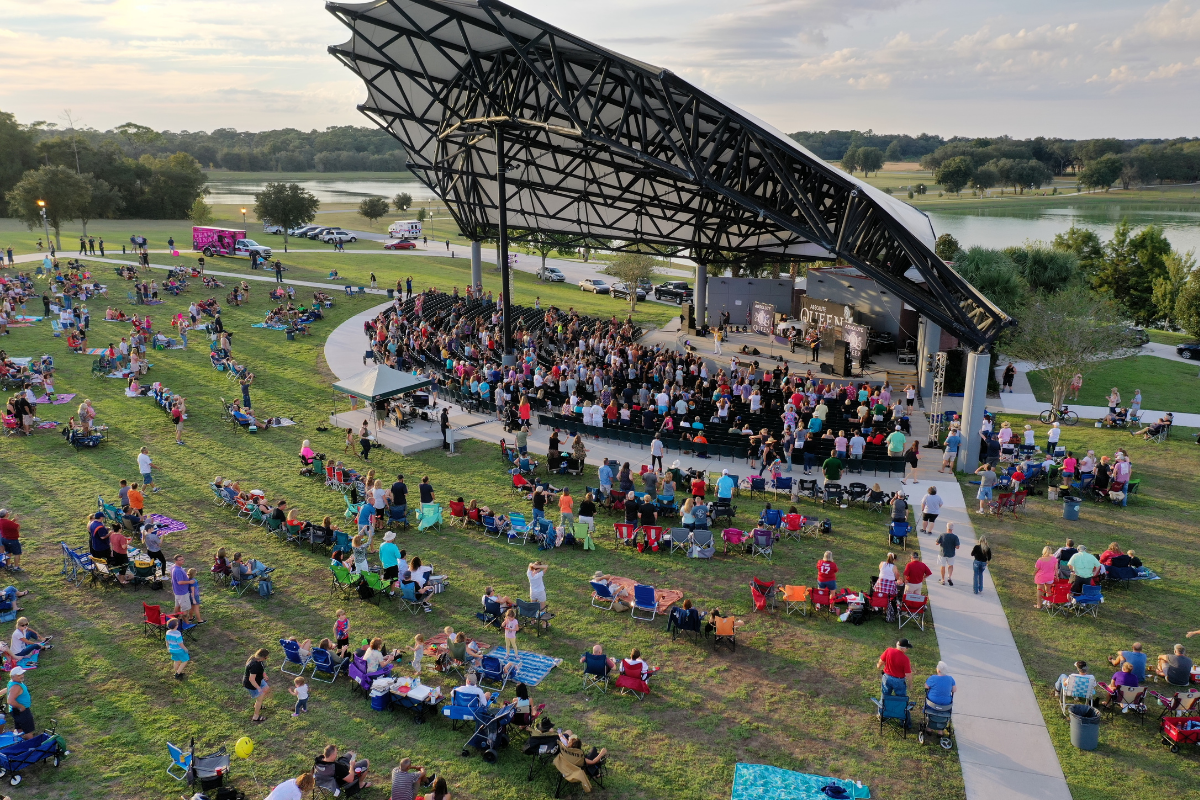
(665,597)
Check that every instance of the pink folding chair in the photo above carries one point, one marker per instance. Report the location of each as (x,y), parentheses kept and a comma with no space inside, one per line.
(735,537)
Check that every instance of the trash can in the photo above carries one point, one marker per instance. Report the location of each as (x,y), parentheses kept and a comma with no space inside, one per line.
(1071,507)
(1085,726)
(391,294)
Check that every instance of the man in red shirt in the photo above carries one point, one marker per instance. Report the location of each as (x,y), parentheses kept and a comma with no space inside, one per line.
(10,537)
(915,573)
(896,669)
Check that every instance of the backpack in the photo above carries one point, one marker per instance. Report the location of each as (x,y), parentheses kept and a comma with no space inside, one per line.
(265,588)
(827,526)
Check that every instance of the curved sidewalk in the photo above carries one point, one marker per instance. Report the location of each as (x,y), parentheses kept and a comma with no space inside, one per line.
(1003,744)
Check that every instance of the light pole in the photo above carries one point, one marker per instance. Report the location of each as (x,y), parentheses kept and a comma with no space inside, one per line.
(243,218)
(45,224)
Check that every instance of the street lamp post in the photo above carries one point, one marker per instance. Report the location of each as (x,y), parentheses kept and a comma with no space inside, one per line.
(243,218)
(45,224)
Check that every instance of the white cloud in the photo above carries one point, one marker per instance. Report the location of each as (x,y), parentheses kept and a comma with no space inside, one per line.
(1174,21)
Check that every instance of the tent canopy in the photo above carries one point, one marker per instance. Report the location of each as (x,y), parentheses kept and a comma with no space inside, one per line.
(381,383)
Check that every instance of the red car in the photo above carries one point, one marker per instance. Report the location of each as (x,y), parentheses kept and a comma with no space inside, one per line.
(400,245)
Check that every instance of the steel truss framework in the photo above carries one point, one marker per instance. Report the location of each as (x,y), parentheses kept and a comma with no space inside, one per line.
(599,146)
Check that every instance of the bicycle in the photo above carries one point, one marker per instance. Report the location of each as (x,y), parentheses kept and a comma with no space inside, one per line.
(1064,415)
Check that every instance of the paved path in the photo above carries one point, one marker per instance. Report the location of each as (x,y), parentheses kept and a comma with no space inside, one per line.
(1003,744)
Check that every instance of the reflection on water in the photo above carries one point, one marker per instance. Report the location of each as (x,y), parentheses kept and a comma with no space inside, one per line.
(1003,227)
(236,191)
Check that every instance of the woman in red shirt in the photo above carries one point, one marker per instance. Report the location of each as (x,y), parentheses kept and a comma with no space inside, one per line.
(827,572)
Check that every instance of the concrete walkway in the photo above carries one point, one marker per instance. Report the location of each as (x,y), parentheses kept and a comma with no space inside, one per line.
(1003,744)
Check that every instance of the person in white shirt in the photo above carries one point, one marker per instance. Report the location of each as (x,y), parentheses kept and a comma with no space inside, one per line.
(537,585)
(931,506)
(1052,438)
(471,689)
(296,788)
(145,465)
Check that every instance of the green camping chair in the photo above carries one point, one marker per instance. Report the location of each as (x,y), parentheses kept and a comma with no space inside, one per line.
(431,515)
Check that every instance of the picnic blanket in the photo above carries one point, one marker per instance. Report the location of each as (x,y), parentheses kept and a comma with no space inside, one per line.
(125,373)
(59,400)
(283,422)
(48,425)
(760,782)
(24,318)
(1146,575)
(95,351)
(437,640)
(272,327)
(166,524)
(665,597)
(532,668)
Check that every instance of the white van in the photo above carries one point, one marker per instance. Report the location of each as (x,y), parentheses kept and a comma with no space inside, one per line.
(407,229)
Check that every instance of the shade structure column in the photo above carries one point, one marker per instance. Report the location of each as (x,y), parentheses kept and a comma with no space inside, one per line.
(930,338)
(476,264)
(700,296)
(974,406)
(509,358)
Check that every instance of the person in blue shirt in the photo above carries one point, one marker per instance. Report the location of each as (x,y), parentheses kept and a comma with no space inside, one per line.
(485,391)
(940,688)
(606,478)
(1135,658)
(953,442)
(725,486)
(814,426)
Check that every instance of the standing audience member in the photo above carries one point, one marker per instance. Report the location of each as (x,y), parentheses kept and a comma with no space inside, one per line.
(949,543)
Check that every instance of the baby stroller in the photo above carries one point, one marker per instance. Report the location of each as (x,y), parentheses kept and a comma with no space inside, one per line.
(18,754)
(936,722)
(491,732)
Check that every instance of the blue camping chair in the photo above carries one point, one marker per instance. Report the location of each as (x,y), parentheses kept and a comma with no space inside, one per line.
(895,707)
(518,529)
(772,518)
(291,655)
(463,707)
(398,515)
(595,672)
(1088,602)
(491,614)
(644,602)
(323,664)
(898,533)
(408,598)
(602,596)
(782,484)
(491,528)
(544,534)
(494,671)
(179,760)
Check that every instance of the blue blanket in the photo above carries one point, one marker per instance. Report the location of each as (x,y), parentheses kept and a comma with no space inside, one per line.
(760,782)
(532,668)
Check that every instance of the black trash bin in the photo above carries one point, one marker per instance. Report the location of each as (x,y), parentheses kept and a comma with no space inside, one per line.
(391,294)
(1085,726)
(1071,507)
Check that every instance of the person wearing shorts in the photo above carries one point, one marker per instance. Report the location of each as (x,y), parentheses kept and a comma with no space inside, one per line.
(10,536)
(949,544)
(987,479)
(19,700)
(952,443)
(181,587)
(931,506)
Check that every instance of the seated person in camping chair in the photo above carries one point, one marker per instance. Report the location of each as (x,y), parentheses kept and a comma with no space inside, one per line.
(597,653)
(576,766)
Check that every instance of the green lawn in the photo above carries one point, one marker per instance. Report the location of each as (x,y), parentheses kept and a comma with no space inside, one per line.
(1162,525)
(795,693)
(1169,337)
(1166,385)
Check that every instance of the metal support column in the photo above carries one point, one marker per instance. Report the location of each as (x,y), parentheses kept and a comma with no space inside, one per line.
(935,400)
(700,296)
(509,358)
(928,344)
(476,264)
(974,405)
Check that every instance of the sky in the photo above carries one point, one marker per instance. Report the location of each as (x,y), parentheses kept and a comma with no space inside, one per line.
(1068,68)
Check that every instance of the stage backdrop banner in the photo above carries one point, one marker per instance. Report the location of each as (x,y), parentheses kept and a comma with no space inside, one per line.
(762,318)
(825,313)
(856,338)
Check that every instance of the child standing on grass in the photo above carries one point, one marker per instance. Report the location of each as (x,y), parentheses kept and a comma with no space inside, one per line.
(510,632)
(349,439)
(418,653)
(300,692)
(341,632)
(179,653)
(191,573)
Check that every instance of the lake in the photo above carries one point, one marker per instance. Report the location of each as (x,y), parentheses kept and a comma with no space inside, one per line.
(1003,227)
(239,191)
(989,227)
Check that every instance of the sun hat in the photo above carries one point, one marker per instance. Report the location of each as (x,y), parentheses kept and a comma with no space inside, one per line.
(390,536)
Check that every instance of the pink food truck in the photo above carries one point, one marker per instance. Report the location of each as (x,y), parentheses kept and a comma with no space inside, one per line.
(226,242)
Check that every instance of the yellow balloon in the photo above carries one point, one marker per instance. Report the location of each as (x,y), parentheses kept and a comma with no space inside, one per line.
(244,747)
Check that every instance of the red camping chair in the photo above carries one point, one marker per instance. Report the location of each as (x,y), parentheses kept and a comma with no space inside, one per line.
(763,593)
(822,599)
(653,534)
(629,681)
(626,532)
(912,609)
(1060,598)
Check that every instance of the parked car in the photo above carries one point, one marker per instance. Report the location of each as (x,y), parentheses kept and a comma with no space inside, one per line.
(677,291)
(552,274)
(621,289)
(337,235)
(400,244)
(271,227)
(1190,351)
(317,233)
(593,285)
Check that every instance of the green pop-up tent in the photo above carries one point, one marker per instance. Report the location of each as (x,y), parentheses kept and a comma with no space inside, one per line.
(380,383)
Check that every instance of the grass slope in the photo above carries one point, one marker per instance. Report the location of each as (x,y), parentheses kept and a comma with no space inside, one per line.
(795,694)
(1167,385)
(1163,526)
